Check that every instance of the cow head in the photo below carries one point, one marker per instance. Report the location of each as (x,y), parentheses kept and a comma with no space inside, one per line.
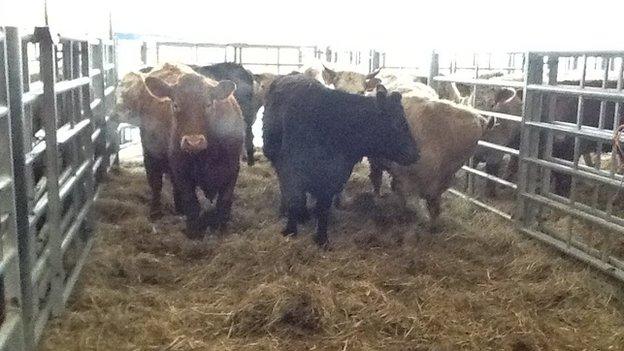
(351,82)
(193,102)
(399,145)
(261,85)
(129,99)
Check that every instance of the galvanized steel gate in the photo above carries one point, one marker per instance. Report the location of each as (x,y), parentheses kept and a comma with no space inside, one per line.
(588,222)
(61,92)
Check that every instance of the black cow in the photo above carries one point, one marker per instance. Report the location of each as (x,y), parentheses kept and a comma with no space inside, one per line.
(313,137)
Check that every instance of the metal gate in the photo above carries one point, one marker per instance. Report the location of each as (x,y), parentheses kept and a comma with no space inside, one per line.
(61,93)
(587,222)
(572,104)
(11,332)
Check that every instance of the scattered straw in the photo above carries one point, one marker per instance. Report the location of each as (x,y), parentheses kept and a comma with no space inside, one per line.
(386,284)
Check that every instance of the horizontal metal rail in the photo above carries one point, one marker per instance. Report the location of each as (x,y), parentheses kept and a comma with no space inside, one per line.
(585,132)
(481,82)
(505,149)
(586,92)
(485,175)
(571,171)
(481,204)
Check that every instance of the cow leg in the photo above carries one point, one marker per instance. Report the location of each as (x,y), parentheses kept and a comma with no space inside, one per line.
(512,169)
(190,206)
(224,204)
(296,210)
(562,183)
(433,205)
(491,168)
(155,170)
(323,205)
(177,201)
(588,159)
(249,144)
(375,175)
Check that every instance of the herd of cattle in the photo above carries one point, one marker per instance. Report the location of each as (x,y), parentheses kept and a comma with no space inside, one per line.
(195,120)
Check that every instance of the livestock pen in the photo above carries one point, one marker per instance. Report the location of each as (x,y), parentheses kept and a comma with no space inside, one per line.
(386,282)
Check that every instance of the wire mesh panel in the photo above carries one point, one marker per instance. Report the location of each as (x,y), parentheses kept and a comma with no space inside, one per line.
(571,190)
(11,332)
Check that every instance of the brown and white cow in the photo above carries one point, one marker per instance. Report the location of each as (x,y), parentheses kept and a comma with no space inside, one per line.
(447,134)
(197,125)
(351,82)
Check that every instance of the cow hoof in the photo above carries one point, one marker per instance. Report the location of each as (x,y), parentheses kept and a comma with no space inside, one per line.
(434,229)
(289,232)
(155,215)
(304,217)
(322,243)
(194,234)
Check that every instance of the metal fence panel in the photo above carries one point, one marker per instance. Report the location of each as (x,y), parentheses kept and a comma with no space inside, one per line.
(63,147)
(11,326)
(568,198)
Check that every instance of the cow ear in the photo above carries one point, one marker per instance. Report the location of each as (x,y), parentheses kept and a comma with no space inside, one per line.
(395,97)
(329,76)
(463,89)
(158,87)
(373,73)
(382,94)
(504,95)
(223,90)
(372,83)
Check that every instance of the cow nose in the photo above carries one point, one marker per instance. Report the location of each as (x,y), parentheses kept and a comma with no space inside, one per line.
(193,143)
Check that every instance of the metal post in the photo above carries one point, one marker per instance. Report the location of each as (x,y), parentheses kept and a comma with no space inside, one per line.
(49,108)
(144,53)
(23,294)
(100,64)
(531,111)
(434,69)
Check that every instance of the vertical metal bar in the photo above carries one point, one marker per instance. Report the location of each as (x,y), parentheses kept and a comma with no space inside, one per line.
(25,68)
(551,99)
(157,53)
(278,60)
(49,104)
(101,120)
(144,53)
(24,295)
(616,123)
(577,145)
(87,151)
(299,58)
(531,111)
(434,69)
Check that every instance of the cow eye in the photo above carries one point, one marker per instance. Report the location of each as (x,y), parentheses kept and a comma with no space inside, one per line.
(175,107)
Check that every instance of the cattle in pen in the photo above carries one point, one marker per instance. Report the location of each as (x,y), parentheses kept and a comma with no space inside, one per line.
(244,94)
(447,135)
(192,128)
(313,137)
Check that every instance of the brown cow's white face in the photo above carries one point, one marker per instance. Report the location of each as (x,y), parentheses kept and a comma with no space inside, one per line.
(351,82)
(193,100)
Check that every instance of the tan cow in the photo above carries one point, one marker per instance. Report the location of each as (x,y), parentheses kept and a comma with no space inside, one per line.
(351,82)
(447,134)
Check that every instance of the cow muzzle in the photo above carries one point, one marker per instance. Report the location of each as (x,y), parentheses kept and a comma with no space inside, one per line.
(193,143)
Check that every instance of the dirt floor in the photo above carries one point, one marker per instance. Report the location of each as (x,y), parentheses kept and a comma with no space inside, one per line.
(386,284)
